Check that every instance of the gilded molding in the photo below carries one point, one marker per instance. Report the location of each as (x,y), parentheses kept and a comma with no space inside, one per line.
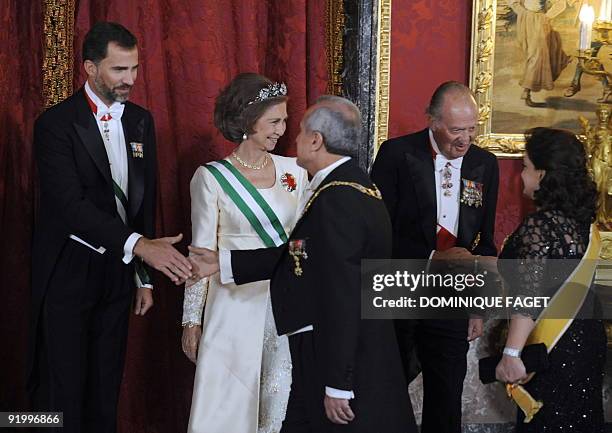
(335,45)
(58,62)
(383,73)
(606,246)
(481,81)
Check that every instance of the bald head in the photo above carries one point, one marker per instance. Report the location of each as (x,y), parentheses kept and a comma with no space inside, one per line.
(450,91)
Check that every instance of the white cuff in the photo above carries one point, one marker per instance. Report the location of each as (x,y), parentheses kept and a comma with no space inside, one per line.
(226,275)
(139,283)
(128,248)
(339,393)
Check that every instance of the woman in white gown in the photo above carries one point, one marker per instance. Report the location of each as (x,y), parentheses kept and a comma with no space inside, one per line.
(247,200)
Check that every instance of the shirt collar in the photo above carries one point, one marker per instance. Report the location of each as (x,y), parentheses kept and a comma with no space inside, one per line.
(320,175)
(101,106)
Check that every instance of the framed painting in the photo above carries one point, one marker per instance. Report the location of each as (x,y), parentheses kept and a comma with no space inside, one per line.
(531,67)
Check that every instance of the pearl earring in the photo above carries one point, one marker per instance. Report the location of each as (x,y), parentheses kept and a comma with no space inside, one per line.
(244,136)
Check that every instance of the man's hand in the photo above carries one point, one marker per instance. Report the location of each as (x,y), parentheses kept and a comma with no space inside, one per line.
(205,262)
(191,341)
(511,370)
(143,301)
(454,253)
(488,263)
(161,255)
(338,410)
(475,328)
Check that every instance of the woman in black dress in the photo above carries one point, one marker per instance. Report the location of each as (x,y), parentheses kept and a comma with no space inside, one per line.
(556,178)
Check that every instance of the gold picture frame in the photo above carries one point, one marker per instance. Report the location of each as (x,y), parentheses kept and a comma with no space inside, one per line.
(383,73)
(501,78)
(481,81)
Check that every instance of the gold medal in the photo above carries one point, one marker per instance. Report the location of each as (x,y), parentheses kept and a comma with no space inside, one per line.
(297,250)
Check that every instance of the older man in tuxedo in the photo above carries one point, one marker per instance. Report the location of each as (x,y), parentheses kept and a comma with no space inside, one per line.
(346,371)
(96,160)
(441,193)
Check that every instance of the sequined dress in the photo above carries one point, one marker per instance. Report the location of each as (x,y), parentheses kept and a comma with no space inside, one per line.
(243,372)
(571,388)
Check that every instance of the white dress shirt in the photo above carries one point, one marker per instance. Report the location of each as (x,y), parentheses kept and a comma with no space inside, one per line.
(117,157)
(447,207)
(226,274)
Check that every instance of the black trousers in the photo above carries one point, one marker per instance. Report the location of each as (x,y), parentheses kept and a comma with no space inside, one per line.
(441,347)
(81,339)
(305,406)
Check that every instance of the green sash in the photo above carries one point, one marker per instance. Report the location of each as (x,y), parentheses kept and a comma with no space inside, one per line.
(250,202)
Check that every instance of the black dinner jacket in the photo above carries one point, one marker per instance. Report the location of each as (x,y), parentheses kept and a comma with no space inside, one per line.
(342,227)
(404,173)
(76,193)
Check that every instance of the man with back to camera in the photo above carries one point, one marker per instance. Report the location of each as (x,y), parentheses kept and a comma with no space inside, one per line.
(97,165)
(441,193)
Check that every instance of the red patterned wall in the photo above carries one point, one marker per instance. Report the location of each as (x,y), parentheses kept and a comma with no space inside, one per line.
(430,43)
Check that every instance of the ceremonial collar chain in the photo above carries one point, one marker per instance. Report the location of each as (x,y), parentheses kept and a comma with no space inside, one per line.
(272,90)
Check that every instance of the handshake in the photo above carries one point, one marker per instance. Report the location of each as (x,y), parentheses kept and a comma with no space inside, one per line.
(162,256)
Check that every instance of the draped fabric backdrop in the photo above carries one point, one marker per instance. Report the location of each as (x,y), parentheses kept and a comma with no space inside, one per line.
(20,101)
(189,50)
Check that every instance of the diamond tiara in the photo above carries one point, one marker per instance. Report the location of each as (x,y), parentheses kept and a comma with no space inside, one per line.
(272,90)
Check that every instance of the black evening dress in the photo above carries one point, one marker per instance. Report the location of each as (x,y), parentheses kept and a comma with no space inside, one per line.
(571,388)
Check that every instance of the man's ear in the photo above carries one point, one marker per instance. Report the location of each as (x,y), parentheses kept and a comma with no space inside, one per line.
(317,141)
(542,174)
(90,67)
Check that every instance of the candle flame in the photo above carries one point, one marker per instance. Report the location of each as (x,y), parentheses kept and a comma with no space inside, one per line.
(587,14)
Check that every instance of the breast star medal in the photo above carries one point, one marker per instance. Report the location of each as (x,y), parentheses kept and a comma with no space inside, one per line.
(472,193)
(297,250)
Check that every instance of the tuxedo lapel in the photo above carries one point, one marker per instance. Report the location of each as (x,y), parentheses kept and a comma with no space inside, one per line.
(469,215)
(421,169)
(133,131)
(89,133)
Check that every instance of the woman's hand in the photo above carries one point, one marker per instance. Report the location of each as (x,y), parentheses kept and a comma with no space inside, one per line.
(511,370)
(191,341)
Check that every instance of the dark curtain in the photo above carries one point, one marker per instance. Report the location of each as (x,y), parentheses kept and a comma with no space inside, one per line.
(188,50)
(21,51)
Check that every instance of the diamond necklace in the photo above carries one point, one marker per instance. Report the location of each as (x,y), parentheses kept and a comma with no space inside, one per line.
(247,165)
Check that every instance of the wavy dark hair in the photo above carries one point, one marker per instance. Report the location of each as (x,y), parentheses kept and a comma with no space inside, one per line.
(95,45)
(567,185)
(234,115)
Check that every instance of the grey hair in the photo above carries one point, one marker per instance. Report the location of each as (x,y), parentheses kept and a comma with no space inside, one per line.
(340,128)
(437,99)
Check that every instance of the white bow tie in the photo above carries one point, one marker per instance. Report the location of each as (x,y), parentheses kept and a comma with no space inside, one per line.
(115,111)
(441,161)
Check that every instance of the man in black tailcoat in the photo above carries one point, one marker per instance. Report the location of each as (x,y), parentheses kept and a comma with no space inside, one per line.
(441,194)
(93,245)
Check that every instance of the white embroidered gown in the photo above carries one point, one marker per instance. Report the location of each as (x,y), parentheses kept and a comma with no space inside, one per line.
(243,372)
